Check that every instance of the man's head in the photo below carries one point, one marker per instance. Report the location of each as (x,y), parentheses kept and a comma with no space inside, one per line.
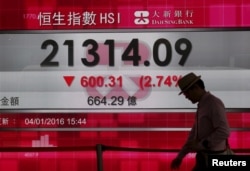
(192,87)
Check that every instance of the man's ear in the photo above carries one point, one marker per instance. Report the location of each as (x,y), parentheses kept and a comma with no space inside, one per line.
(195,87)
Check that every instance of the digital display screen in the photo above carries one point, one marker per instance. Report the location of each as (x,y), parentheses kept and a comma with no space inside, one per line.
(122,71)
(93,85)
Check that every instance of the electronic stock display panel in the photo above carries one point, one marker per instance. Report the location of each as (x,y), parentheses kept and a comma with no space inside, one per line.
(129,70)
(74,76)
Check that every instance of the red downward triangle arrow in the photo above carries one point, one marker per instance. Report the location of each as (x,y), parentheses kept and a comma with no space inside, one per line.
(69,79)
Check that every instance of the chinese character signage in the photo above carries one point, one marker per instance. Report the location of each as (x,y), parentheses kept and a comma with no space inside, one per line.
(58,15)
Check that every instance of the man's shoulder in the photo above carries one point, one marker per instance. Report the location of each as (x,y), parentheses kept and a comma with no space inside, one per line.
(211,98)
(214,99)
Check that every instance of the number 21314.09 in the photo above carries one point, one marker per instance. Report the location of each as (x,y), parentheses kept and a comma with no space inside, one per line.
(130,54)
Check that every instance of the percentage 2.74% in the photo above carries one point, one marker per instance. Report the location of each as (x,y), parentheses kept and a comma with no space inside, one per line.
(147,81)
